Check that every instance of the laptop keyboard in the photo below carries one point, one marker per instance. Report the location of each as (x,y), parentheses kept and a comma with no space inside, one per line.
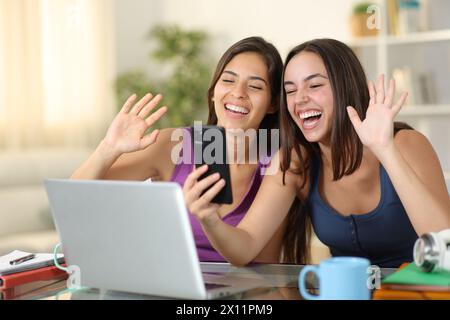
(210,286)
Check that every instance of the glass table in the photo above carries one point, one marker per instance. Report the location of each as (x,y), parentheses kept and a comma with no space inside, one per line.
(268,281)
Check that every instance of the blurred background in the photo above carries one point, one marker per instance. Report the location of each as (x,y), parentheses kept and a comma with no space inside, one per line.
(66,67)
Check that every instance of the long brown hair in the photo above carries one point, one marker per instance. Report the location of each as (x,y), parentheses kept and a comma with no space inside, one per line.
(274,65)
(349,87)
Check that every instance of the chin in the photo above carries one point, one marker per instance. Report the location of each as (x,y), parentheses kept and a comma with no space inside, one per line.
(313,137)
(231,126)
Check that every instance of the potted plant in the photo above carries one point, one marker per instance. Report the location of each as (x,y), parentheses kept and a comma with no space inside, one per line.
(359,20)
(184,89)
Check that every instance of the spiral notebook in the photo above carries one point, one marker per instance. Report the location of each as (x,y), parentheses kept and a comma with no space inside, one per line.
(40,260)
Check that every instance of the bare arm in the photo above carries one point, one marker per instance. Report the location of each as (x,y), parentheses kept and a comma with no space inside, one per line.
(240,245)
(417,176)
(409,159)
(126,146)
(153,161)
(271,253)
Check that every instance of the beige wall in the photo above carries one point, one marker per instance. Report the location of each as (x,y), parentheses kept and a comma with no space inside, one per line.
(283,22)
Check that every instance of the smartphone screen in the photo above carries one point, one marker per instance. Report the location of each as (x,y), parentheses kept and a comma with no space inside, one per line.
(210,147)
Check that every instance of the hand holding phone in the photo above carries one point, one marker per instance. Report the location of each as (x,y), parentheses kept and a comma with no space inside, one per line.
(210,147)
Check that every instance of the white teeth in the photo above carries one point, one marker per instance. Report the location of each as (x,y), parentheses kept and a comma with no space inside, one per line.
(235,108)
(309,114)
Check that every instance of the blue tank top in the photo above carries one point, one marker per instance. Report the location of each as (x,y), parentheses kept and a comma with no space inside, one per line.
(384,235)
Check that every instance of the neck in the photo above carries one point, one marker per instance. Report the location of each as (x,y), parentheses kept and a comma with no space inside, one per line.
(325,154)
(368,157)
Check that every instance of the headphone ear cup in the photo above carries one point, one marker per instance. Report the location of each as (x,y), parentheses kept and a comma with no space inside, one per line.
(432,251)
(446,261)
(427,252)
(445,235)
(443,239)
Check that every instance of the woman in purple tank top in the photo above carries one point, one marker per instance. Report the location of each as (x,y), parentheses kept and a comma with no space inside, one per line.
(244,94)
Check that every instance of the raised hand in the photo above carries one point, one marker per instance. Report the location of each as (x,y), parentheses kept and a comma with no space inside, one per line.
(376,130)
(127,131)
(198,204)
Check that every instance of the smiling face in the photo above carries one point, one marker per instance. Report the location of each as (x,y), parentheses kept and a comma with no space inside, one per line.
(309,96)
(242,95)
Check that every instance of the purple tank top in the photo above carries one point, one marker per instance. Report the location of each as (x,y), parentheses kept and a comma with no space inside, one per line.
(204,248)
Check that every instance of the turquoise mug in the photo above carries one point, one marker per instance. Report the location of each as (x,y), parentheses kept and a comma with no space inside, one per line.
(340,278)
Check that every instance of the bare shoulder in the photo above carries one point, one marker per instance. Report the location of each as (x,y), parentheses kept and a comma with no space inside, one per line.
(408,138)
(167,139)
(419,153)
(166,135)
(161,151)
(411,142)
(296,173)
(422,158)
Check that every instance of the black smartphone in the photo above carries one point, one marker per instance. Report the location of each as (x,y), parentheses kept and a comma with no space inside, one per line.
(210,147)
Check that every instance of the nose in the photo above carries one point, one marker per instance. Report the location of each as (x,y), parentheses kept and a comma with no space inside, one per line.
(301,97)
(239,91)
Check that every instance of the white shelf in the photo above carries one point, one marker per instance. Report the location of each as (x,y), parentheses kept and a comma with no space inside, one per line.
(420,37)
(411,38)
(425,110)
(365,41)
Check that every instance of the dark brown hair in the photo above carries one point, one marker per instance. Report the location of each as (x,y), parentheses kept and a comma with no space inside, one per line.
(349,87)
(274,64)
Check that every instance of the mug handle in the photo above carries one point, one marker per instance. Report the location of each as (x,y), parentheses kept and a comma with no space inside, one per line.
(301,282)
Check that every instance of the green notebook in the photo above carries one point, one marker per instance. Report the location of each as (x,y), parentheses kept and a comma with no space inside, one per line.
(413,275)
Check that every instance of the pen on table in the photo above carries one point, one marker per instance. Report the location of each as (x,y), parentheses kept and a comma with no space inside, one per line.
(22,259)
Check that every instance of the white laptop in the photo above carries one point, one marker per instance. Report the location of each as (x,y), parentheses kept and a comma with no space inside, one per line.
(130,236)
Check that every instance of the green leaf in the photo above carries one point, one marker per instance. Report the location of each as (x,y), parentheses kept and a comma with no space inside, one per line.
(185,89)
(361,8)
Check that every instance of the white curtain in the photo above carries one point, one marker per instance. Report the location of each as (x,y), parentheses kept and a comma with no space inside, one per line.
(56,72)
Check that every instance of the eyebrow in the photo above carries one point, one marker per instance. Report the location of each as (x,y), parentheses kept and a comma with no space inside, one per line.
(312,76)
(251,77)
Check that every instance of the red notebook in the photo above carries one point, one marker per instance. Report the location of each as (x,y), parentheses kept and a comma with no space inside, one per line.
(32,290)
(41,274)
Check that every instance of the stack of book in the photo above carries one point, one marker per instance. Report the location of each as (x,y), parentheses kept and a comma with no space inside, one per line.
(23,273)
(411,283)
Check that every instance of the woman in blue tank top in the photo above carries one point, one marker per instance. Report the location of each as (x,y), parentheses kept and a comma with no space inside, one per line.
(372,186)
(367,191)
